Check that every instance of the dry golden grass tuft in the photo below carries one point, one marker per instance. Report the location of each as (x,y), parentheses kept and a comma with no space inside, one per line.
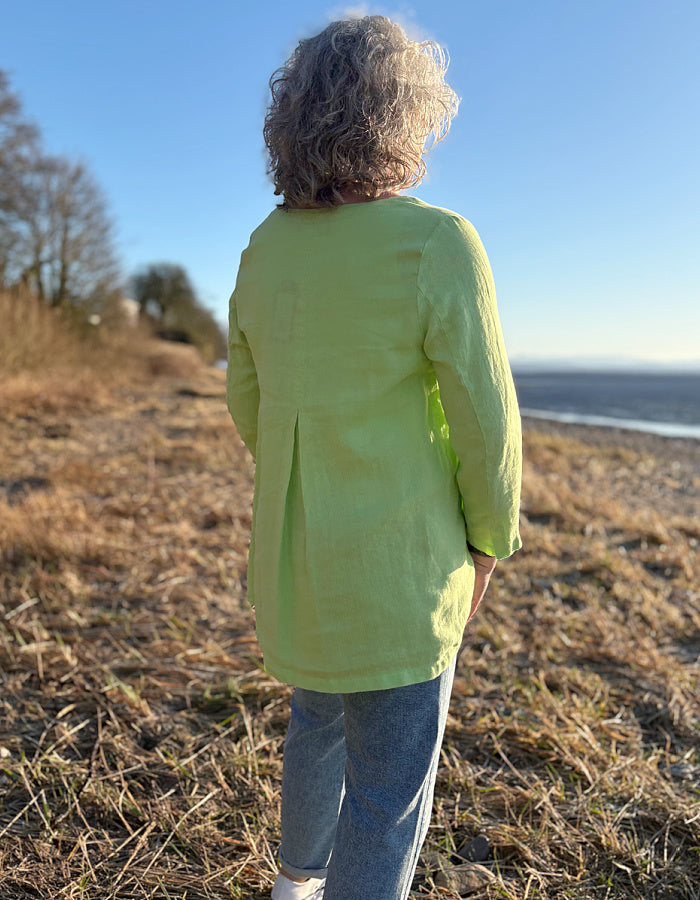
(52,362)
(140,738)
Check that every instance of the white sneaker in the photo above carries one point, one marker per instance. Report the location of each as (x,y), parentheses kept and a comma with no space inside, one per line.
(286,889)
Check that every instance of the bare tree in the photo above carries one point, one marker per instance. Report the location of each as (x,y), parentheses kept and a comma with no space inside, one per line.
(72,225)
(55,233)
(18,150)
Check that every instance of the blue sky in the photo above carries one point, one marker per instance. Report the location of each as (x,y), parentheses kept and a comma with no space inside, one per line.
(575,153)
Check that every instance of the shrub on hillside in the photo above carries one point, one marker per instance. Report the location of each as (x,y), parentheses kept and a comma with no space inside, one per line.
(168,300)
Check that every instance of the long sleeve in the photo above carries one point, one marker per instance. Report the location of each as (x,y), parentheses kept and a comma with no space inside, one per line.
(242,389)
(463,339)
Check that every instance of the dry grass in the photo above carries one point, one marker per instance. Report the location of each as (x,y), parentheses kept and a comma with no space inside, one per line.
(140,738)
(52,362)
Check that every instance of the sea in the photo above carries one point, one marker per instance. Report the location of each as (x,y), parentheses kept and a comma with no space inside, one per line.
(659,403)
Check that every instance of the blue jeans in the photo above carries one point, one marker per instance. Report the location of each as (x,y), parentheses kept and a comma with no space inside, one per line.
(357,786)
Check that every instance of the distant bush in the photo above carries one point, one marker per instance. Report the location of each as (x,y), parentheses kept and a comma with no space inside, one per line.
(168,300)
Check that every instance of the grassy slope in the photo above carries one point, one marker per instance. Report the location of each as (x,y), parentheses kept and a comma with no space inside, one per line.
(140,738)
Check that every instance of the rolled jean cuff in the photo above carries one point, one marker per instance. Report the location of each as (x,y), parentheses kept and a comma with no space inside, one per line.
(301,873)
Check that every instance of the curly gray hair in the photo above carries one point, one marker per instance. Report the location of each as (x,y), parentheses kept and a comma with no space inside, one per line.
(352,109)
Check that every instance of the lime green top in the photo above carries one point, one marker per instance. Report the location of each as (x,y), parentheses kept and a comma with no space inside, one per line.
(343,323)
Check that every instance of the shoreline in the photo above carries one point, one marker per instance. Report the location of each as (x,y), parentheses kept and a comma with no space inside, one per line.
(682,449)
(643,426)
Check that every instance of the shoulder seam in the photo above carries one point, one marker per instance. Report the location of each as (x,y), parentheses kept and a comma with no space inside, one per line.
(428,239)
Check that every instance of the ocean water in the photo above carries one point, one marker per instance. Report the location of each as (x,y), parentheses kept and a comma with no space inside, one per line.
(660,403)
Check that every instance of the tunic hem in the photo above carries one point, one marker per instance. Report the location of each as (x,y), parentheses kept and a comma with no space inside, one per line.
(354,683)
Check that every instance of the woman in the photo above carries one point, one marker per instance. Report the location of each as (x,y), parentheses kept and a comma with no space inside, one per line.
(367,375)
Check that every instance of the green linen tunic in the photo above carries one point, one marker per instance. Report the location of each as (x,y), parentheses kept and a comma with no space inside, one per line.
(368,377)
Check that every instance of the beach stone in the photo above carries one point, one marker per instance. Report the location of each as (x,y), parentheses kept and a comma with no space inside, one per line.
(57,430)
(475,850)
(433,860)
(17,489)
(465,879)
(685,771)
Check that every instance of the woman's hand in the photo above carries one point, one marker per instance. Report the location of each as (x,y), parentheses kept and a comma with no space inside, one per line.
(483,569)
